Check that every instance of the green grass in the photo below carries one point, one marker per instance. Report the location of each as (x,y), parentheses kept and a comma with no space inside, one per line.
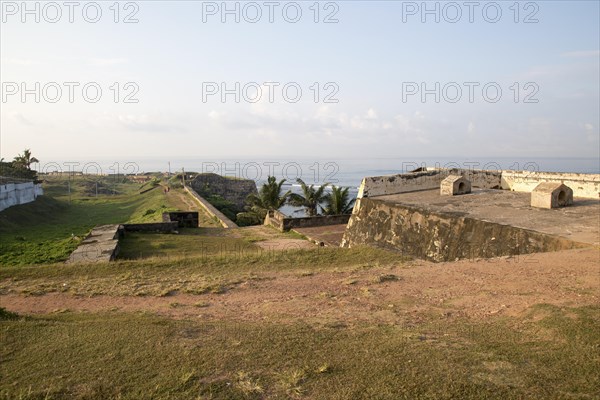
(50,228)
(190,242)
(142,356)
(218,268)
(547,353)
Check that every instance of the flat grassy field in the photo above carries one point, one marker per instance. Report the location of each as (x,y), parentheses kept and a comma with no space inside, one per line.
(143,356)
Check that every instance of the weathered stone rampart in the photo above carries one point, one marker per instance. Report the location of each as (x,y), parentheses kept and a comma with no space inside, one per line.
(231,189)
(441,236)
(406,213)
(583,185)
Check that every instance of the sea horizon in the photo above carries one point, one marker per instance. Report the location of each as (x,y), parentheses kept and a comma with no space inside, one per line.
(345,172)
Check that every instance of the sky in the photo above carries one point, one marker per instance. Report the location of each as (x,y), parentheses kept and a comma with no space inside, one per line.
(362,79)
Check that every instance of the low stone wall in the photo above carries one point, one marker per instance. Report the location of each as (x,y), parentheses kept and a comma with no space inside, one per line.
(438,236)
(210,209)
(185,219)
(102,244)
(583,185)
(12,194)
(285,223)
(425,180)
(158,227)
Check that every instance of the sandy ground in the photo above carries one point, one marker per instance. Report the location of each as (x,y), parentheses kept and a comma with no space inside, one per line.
(474,289)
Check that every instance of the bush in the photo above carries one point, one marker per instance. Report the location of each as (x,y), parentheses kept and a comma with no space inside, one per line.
(248,219)
(226,207)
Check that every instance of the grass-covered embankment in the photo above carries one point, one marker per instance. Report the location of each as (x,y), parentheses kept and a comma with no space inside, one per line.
(50,228)
(214,271)
(142,356)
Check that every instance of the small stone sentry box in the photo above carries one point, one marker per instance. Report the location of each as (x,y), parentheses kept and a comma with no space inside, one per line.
(551,195)
(455,184)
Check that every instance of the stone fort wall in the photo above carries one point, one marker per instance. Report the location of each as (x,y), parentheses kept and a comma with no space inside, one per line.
(583,185)
(12,194)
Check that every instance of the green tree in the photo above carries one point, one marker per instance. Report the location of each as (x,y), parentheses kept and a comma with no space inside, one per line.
(269,198)
(338,201)
(25,160)
(20,167)
(311,198)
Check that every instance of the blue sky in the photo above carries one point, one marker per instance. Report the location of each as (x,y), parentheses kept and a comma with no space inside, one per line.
(370,55)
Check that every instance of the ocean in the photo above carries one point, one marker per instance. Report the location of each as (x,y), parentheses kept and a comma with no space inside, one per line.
(344,172)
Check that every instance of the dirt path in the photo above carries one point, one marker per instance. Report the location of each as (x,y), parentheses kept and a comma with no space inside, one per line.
(405,294)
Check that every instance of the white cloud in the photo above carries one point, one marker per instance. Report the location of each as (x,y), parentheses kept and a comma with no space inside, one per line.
(471,127)
(106,62)
(215,114)
(21,62)
(145,123)
(591,133)
(581,53)
(260,119)
(22,119)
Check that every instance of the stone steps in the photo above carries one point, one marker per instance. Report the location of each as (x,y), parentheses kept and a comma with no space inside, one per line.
(101,245)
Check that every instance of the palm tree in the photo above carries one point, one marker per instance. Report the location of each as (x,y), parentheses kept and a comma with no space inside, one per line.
(269,197)
(338,201)
(310,199)
(25,160)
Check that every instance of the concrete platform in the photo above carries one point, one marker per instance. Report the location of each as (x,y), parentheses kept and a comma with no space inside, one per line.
(101,245)
(579,222)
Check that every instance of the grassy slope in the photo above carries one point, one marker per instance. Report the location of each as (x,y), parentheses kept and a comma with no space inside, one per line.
(213,271)
(141,356)
(50,228)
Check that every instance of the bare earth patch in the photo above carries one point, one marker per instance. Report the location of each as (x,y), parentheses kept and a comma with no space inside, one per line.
(404,294)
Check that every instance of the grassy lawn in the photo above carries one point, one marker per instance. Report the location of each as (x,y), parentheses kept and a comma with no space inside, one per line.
(214,271)
(50,228)
(190,242)
(142,356)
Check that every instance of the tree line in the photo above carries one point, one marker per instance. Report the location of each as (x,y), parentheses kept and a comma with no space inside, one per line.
(20,167)
(314,200)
